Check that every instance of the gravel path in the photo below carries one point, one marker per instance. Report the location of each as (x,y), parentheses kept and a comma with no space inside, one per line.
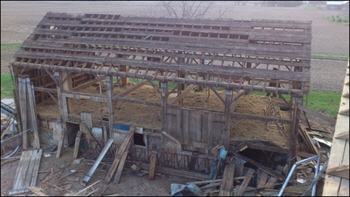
(328,75)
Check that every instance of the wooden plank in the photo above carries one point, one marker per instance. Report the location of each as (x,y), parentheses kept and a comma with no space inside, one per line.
(245,182)
(24,170)
(176,172)
(37,191)
(262,179)
(344,135)
(319,115)
(227,180)
(119,153)
(36,168)
(120,168)
(240,147)
(77,145)
(23,109)
(29,173)
(152,165)
(339,171)
(18,170)
(97,162)
(33,114)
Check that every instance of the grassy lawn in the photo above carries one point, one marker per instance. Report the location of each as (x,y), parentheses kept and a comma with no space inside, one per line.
(327,102)
(10,46)
(326,56)
(6,86)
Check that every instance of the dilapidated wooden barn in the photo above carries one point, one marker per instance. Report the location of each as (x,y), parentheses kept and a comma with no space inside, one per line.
(80,68)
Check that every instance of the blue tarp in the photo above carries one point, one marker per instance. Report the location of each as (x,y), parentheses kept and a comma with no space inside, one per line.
(121,127)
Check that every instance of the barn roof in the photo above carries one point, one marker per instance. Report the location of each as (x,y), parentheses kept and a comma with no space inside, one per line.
(102,44)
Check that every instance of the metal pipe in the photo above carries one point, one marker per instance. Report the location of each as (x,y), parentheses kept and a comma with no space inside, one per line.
(292,170)
(317,169)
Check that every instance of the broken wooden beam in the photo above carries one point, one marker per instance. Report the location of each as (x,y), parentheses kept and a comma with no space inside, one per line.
(121,164)
(152,165)
(77,145)
(339,171)
(227,180)
(245,182)
(176,172)
(326,118)
(119,154)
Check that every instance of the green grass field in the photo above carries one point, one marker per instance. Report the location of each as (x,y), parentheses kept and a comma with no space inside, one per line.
(322,101)
(10,46)
(6,86)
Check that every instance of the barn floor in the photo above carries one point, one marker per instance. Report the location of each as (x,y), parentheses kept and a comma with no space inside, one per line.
(149,116)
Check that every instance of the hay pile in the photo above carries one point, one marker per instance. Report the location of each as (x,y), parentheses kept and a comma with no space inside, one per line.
(150,116)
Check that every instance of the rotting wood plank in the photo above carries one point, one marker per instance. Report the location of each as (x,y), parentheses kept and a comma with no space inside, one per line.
(18,170)
(176,172)
(245,182)
(326,118)
(23,109)
(262,178)
(33,114)
(119,153)
(152,166)
(227,180)
(121,164)
(36,168)
(128,91)
(339,171)
(77,144)
(97,162)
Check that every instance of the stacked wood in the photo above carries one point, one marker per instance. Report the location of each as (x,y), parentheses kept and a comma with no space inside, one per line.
(28,111)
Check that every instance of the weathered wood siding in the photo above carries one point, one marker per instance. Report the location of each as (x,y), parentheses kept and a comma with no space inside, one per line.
(193,129)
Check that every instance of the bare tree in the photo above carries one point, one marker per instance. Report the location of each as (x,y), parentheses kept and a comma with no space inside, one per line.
(188,9)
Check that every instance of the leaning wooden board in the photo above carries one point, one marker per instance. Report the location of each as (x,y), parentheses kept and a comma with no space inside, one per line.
(27,171)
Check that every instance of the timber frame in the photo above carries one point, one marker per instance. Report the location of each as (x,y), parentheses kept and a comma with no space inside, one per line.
(66,52)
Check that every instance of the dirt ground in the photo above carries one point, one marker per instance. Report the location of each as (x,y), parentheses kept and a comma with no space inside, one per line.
(61,184)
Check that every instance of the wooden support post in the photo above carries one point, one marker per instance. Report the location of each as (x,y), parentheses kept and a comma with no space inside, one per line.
(125,80)
(68,86)
(77,144)
(180,87)
(152,165)
(109,82)
(23,109)
(294,132)
(226,133)
(164,95)
(62,105)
